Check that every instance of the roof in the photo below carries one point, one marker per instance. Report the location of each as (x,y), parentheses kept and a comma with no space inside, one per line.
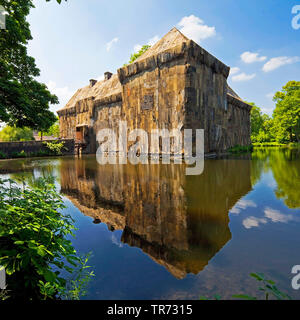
(172,39)
(232,93)
(100,90)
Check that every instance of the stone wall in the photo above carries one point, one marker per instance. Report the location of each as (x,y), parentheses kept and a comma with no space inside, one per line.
(67,123)
(225,119)
(8,148)
(154,91)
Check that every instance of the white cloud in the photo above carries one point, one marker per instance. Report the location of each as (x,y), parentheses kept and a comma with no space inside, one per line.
(277,62)
(110,44)
(242,205)
(250,57)
(276,216)
(243,77)
(64,95)
(191,26)
(234,70)
(150,42)
(100,78)
(115,241)
(253,222)
(270,95)
(270,215)
(195,29)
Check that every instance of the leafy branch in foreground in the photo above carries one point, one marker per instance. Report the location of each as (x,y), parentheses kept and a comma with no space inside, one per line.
(33,241)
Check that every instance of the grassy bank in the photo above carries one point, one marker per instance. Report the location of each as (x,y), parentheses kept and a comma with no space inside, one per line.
(277,144)
(248,149)
(240,149)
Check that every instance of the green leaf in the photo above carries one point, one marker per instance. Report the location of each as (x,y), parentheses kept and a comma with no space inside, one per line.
(50,276)
(244,297)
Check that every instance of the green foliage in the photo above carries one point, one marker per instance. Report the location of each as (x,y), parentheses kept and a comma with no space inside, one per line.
(58,1)
(33,237)
(77,286)
(285,168)
(24,101)
(294,145)
(136,55)
(53,130)
(256,120)
(241,149)
(261,126)
(56,147)
(3,155)
(268,144)
(21,154)
(3,295)
(16,134)
(284,126)
(268,287)
(287,113)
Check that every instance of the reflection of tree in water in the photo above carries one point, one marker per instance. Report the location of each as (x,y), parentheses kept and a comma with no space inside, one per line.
(259,164)
(26,171)
(286,170)
(285,166)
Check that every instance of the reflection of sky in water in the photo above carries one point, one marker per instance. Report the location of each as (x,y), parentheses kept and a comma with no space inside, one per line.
(263,214)
(261,234)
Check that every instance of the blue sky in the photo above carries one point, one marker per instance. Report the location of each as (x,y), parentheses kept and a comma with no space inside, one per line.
(81,39)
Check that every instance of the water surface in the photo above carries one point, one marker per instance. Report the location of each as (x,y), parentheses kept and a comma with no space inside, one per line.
(156,233)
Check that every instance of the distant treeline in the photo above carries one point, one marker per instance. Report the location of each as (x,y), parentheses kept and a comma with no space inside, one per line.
(284,125)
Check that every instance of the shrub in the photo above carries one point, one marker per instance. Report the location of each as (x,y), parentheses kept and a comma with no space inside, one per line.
(33,240)
(21,154)
(56,147)
(2,155)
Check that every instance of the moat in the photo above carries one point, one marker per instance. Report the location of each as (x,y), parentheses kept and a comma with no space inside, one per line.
(155,233)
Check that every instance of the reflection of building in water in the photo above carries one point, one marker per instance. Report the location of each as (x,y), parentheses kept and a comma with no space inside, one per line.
(180,221)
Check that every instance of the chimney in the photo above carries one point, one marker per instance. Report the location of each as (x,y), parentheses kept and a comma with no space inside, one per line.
(92,82)
(107,75)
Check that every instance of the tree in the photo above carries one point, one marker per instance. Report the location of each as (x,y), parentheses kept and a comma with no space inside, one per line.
(256,121)
(23,100)
(136,55)
(16,134)
(261,125)
(287,112)
(52,131)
